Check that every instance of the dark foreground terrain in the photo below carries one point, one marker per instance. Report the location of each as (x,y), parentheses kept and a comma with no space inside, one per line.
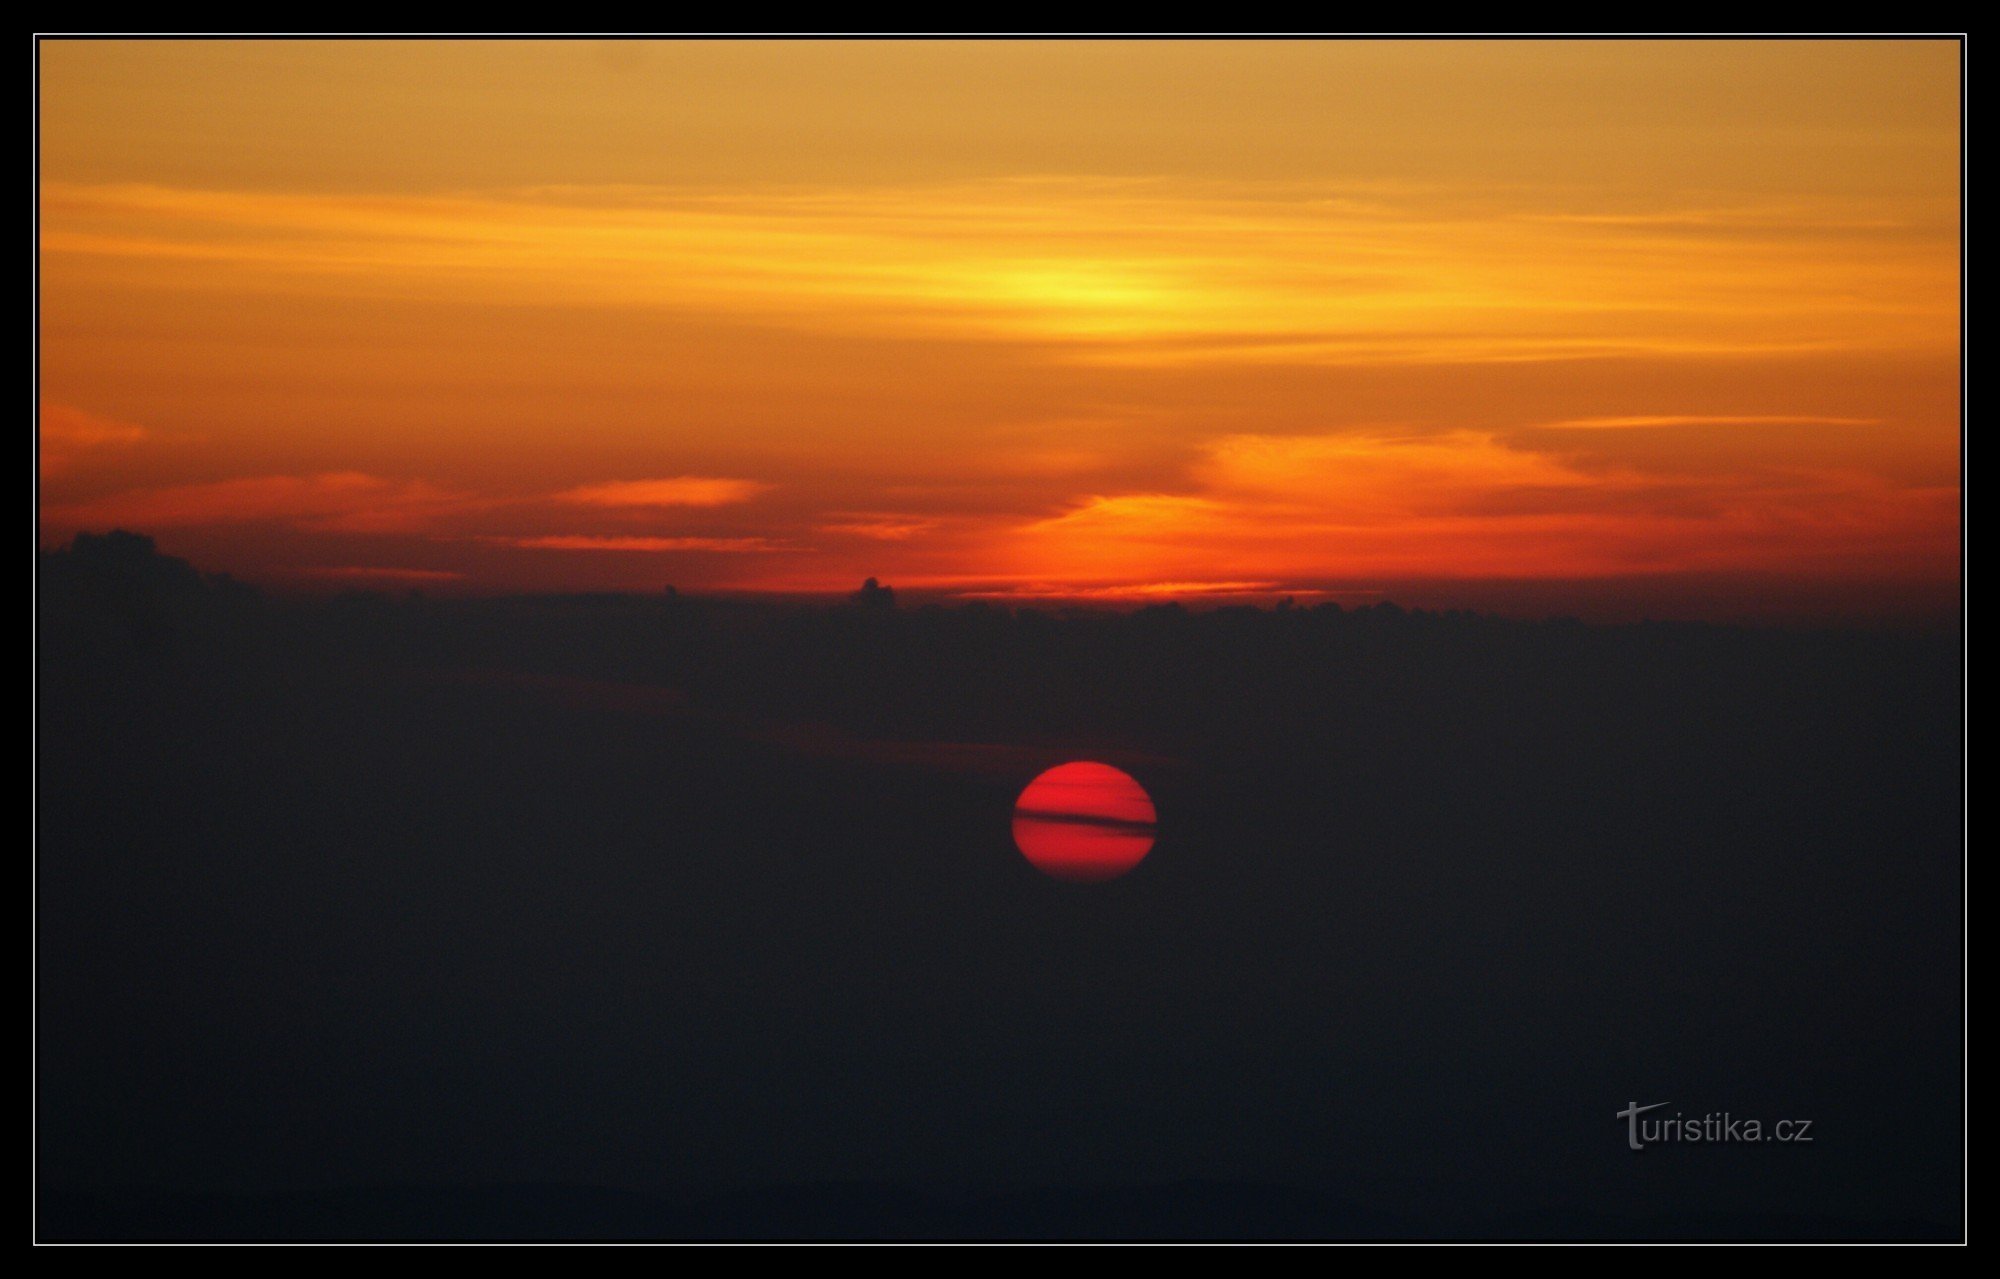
(627,916)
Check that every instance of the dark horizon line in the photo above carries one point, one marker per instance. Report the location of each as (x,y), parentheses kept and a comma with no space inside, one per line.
(1579,608)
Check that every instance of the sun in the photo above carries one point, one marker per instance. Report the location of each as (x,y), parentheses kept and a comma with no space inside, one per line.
(1084,822)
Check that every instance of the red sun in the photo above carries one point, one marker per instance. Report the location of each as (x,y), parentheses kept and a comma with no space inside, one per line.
(1084,822)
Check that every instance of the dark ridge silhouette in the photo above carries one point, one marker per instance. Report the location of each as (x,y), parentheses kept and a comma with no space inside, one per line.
(115,593)
(874,595)
(714,904)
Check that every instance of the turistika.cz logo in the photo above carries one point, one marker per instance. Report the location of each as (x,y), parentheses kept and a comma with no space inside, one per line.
(1716,1129)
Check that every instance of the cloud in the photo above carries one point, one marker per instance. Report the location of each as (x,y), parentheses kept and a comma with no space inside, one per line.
(1133,512)
(679,490)
(68,435)
(1363,476)
(884,528)
(1645,421)
(337,502)
(584,542)
(357,502)
(1303,511)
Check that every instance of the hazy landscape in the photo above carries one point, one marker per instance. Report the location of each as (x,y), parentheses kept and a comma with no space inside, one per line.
(635,915)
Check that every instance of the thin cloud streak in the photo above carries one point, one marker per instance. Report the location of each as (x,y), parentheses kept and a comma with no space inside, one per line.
(680,490)
(1646,421)
(648,545)
(331,502)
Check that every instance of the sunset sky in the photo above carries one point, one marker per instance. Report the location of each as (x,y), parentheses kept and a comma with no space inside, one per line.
(1621,329)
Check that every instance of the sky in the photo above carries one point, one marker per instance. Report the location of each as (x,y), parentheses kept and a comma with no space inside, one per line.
(1610,328)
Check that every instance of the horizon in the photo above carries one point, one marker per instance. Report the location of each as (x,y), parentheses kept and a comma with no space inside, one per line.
(1503,601)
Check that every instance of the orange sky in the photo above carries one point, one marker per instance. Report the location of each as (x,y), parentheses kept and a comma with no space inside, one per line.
(1567,325)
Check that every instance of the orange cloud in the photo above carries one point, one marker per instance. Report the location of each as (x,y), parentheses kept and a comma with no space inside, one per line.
(68,434)
(884,528)
(1319,509)
(680,490)
(1647,421)
(582,542)
(343,502)
(1357,477)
